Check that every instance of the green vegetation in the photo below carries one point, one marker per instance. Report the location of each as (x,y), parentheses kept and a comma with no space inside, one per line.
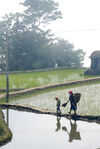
(34,79)
(30,46)
(5,133)
(88,105)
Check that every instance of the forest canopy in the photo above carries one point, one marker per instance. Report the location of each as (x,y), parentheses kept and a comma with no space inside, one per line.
(30,46)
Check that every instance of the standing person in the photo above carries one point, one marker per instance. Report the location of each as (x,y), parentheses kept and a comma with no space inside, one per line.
(58,105)
(73,105)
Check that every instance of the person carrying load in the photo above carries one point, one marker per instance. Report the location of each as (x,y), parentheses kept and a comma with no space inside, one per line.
(73,99)
(73,105)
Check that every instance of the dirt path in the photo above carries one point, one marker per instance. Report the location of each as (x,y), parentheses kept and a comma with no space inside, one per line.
(32,90)
(41,111)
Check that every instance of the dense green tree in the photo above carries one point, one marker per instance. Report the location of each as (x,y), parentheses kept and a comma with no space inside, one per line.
(10,30)
(78,58)
(25,39)
(29,46)
(40,12)
(65,55)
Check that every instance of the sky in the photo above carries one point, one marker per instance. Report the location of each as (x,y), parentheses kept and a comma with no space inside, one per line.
(80,24)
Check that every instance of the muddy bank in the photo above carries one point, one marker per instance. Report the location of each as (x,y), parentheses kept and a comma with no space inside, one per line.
(41,111)
(5,132)
(87,118)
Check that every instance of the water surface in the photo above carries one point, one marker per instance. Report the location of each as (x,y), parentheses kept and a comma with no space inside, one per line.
(40,131)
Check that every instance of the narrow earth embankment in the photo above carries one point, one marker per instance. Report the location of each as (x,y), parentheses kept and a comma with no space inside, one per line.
(32,90)
(42,111)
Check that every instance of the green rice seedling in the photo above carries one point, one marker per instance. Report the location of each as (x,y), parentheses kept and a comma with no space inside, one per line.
(88,105)
(35,79)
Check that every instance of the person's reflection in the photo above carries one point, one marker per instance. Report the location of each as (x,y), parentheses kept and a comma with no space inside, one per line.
(58,124)
(73,134)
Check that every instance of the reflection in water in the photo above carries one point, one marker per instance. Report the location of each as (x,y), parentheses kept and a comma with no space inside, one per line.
(73,134)
(58,123)
(7,117)
(31,130)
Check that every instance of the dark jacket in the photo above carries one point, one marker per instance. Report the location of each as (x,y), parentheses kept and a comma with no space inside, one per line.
(72,102)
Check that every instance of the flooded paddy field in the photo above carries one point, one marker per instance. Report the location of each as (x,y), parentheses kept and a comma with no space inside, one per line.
(42,131)
(88,105)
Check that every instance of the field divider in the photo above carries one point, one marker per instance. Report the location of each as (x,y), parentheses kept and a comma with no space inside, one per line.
(26,108)
(32,90)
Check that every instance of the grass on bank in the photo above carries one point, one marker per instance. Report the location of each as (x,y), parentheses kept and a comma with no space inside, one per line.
(5,133)
(35,79)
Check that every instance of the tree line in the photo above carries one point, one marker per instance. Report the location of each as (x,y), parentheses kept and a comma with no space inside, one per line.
(30,45)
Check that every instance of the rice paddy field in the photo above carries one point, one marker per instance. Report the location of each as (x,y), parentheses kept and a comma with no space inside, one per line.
(88,105)
(90,92)
(34,79)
